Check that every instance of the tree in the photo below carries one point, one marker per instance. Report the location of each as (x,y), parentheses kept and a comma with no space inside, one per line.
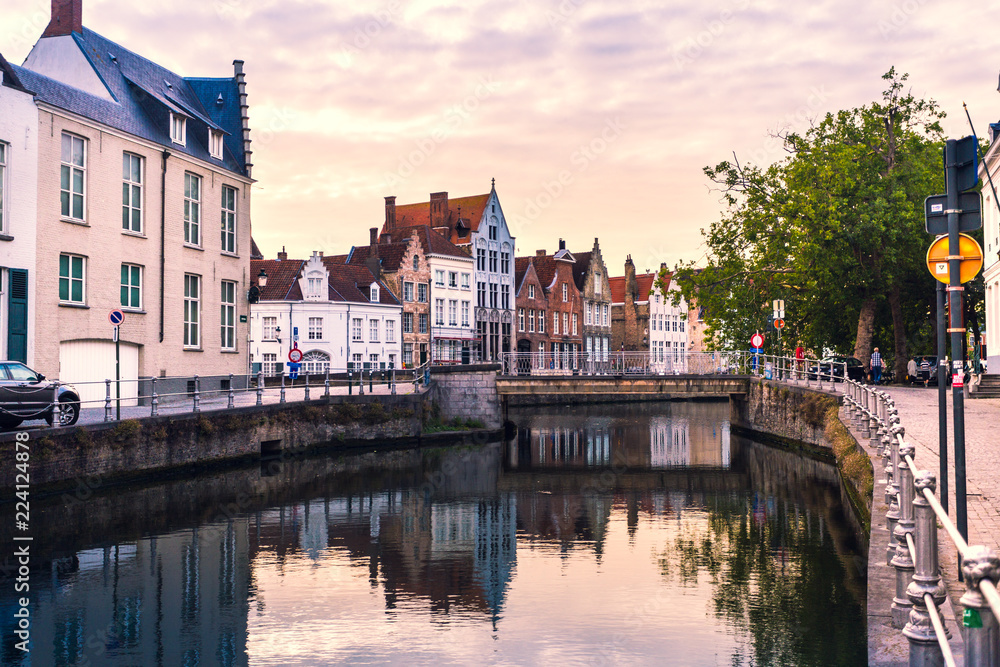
(835,229)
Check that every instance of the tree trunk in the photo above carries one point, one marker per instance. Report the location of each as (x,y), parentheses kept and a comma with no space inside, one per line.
(901,353)
(866,327)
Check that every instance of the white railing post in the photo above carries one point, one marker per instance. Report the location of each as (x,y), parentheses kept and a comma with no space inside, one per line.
(924,648)
(107,400)
(232,397)
(982,635)
(902,561)
(196,407)
(260,387)
(154,404)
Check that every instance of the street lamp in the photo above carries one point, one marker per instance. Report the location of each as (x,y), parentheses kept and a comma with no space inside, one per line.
(262,278)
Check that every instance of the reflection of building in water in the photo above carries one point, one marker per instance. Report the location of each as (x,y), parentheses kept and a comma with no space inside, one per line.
(176,599)
(669,442)
(565,519)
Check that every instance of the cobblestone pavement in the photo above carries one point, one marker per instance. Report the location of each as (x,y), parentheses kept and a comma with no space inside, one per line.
(175,405)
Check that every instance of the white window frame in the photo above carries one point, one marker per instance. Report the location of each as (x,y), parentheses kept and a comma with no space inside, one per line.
(228,231)
(192,312)
(269,328)
(531,321)
(127,285)
(407,291)
(132,170)
(520,319)
(70,279)
(356,329)
(192,209)
(390,331)
(407,323)
(269,363)
(453,312)
(315,328)
(555,324)
(466,281)
(407,353)
(574,323)
(215,144)
(69,170)
(178,128)
(453,279)
(565,293)
(531,291)
(439,312)
(4,151)
(422,292)
(541,321)
(227,314)
(438,278)
(465,313)
(373,330)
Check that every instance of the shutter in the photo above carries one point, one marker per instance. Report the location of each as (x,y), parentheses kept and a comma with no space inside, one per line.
(17,324)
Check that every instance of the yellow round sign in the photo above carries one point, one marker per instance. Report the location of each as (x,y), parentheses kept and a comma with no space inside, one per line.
(969,252)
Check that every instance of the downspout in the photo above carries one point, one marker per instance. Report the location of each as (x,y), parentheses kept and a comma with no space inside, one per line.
(163,235)
(347,359)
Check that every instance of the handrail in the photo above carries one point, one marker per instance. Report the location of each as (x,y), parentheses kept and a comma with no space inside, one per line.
(942,636)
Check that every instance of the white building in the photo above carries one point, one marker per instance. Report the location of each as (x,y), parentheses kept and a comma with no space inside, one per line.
(339,315)
(453,327)
(991,262)
(668,338)
(18,216)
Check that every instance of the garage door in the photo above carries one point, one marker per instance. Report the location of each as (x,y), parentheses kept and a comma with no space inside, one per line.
(82,361)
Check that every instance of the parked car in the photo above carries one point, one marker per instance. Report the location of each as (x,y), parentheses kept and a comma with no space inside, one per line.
(25,395)
(835,366)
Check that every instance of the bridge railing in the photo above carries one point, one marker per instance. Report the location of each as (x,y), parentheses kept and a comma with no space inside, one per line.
(625,363)
(912,519)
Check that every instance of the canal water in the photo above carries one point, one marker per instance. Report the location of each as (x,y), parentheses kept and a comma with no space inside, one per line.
(625,534)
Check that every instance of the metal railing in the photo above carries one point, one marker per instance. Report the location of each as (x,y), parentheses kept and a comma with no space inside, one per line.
(912,518)
(738,362)
(149,391)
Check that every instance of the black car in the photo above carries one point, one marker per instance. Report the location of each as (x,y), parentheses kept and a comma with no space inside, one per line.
(25,395)
(835,366)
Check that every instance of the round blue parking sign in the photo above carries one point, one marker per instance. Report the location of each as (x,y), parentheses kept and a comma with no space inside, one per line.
(116,317)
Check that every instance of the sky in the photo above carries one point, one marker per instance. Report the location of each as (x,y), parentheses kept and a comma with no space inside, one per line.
(595,118)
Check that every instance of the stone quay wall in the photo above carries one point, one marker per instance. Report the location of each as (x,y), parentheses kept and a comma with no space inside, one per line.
(466,392)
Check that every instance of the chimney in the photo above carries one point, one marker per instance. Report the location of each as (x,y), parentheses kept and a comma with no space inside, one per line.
(67,18)
(539,253)
(373,236)
(282,255)
(390,213)
(241,90)
(562,244)
(439,209)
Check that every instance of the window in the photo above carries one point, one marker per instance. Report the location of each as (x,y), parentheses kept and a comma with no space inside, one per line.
(531,321)
(657,297)
(565,293)
(439,312)
(416,263)
(390,331)
(178,128)
(314,286)
(565,324)
(493,261)
(316,361)
(555,323)
(424,322)
(215,144)
(452,279)
(597,285)
(493,295)
(131,288)
(505,296)
(373,293)
(407,354)
(574,324)
(481,295)
(520,319)
(315,328)
(270,328)
(192,209)
(356,329)
(493,232)
(452,312)
(227,312)
(131,193)
(465,281)
(192,310)
(541,321)
(675,324)
(481,259)
(72,275)
(3,176)
(407,291)
(606,314)
(407,323)
(373,360)
(505,262)
(590,312)
(682,326)
(228,219)
(422,292)
(439,278)
(373,330)
(71,177)
(465,313)
(356,360)
(269,364)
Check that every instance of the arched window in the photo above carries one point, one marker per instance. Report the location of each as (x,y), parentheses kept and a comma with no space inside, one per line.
(315,362)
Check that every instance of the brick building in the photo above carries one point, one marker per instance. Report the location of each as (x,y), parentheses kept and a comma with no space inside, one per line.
(561,312)
(630,309)
(646,320)
(532,308)
(591,276)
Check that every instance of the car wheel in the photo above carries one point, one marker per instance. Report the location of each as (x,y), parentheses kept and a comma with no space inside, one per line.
(8,423)
(68,411)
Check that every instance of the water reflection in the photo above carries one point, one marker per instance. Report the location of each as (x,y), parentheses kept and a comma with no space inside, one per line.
(624,534)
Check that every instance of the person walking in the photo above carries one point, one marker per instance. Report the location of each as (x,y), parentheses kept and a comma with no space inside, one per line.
(925,370)
(876,366)
(911,370)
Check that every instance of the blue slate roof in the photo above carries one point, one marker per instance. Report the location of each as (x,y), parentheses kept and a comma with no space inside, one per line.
(144,94)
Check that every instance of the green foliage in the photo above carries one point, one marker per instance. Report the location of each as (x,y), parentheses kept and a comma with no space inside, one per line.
(835,229)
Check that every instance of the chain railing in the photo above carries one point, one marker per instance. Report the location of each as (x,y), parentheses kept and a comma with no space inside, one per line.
(912,519)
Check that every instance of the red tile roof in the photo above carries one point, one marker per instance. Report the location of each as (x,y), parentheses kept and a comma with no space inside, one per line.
(283,280)
(617,289)
(644,283)
(468,209)
(281,276)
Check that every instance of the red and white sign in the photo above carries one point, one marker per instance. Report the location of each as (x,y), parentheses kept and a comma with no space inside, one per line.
(957,380)
(116,317)
(756,340)
(295,355)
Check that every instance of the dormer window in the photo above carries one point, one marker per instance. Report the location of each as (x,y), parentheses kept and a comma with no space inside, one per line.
(215,144)
(178,129)
(374,293)
(315,285)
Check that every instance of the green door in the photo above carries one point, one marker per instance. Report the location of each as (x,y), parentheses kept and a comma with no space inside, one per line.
(17,322)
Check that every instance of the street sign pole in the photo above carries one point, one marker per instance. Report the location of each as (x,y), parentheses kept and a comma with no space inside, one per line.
(955,328)
(118,377)
(942,346)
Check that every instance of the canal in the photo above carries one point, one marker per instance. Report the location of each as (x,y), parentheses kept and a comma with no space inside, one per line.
(604,534)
